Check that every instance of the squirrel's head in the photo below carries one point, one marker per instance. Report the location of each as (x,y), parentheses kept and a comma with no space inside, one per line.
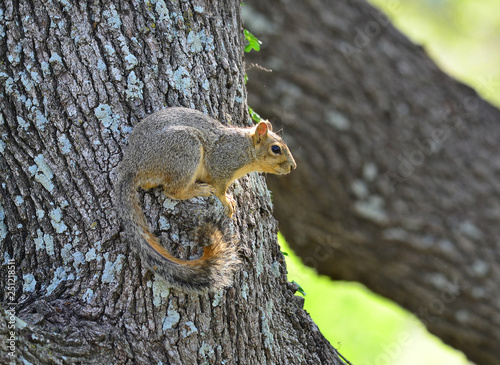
(273,155)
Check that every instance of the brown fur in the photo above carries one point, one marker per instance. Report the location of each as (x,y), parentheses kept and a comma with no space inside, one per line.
(190,154)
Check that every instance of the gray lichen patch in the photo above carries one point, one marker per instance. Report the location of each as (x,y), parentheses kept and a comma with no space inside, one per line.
(42,173)
(57,221)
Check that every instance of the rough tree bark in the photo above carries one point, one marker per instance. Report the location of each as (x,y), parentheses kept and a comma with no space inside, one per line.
(74,78)
(397,181)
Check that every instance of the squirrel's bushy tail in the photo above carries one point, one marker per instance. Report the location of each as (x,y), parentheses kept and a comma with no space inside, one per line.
(210,272)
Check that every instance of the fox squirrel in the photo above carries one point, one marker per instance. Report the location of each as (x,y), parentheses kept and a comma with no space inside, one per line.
(191,154)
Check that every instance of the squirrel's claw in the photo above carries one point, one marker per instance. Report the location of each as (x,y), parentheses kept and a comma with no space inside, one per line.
(229,205)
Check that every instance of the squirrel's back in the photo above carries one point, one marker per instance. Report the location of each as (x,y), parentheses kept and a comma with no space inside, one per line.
(178,116)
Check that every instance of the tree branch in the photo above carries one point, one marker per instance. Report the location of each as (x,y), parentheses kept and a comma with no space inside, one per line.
(397,177)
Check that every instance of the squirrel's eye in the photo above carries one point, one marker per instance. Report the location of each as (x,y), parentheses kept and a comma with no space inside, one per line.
(276,149)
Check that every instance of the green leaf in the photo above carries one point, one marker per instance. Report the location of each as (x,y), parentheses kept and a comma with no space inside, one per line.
(255,117)
(253,42)
(301,291)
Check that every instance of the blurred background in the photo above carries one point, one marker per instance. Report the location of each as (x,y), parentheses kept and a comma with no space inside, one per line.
(463,38)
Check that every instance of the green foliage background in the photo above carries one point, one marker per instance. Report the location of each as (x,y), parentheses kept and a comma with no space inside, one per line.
(463,37)
(364,327)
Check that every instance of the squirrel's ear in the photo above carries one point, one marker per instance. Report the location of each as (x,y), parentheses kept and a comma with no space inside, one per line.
(269,125)
(261,131)
(261,128)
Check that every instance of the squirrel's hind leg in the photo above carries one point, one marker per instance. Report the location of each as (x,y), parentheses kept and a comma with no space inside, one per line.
(184,167)
(191,191)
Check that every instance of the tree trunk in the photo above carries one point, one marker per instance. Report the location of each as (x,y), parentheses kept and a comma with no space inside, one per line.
(397,179)
(74,79)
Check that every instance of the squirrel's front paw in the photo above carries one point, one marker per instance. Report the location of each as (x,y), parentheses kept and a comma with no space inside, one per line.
(206,189)
(229,205)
